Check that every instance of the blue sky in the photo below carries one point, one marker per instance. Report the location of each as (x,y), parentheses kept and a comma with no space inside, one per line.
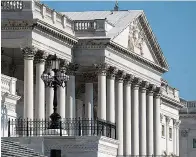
(174,25)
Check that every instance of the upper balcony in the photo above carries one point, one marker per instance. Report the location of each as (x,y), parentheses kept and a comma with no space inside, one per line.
(8,84)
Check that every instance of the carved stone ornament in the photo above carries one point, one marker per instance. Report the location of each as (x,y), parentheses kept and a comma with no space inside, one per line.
(151,89)
(158,92)
(101,68)
(144,85)
(135,38)
(89,77)
(111,72)
(29,52)
(129,78)
(184,133)
(120,76)
(64,65)
(16,23)
(40,56)
(168,119)
(72,68)
(136,82)
(161,117)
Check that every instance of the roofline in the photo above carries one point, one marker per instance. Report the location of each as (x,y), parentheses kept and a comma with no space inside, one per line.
(146,23)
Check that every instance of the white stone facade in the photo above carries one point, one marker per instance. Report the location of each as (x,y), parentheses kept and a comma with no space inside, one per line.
(115,68)
(188,129)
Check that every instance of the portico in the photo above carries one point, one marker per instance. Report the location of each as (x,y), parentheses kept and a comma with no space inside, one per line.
(115,68)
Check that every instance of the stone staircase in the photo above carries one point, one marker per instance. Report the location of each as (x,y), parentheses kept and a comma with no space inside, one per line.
(14,149)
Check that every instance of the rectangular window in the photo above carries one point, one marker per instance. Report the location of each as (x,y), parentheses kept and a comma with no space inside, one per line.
(170,133)
(163,130)
(194,143)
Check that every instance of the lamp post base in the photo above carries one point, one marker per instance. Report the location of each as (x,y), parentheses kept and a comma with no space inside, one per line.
(55,121)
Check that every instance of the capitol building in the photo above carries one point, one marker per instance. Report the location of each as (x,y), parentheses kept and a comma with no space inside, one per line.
(84,84)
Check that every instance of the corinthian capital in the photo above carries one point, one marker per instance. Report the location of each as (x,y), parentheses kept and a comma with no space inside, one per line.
(129,79)
(137,82)
(120,75)
(64,65)
(101,68)
(89,77)
(29,52)
(151,89)
(144,85)
(158,92)
(168,119)
(72,68)
(111,72)
(40,56)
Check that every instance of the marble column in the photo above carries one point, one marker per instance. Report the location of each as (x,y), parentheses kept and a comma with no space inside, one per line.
(61,101)
(70,107)
(168,119)
(62,95)
(28,53)
(157,125)
(142,119)
(89,100)
(174,136)
(110,108)
(149,121)
(177,137)
(49,94)
(40,58)
(119,110)
(102,69)
(135,117)
(127,115)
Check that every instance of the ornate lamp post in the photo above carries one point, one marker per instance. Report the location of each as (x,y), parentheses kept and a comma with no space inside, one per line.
(59,78)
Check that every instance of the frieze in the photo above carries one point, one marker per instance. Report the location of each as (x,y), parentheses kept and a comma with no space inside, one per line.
(17,24)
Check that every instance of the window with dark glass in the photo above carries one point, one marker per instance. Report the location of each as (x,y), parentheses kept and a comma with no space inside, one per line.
(163,130)
(194,143)
(170,133)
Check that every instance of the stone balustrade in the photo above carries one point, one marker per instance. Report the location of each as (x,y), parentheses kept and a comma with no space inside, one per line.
(89,25)
(8,84)
(14,5)
(169,91)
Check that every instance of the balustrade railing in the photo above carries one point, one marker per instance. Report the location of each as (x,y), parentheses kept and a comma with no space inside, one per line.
(67,127)
(14,5)
(8,84)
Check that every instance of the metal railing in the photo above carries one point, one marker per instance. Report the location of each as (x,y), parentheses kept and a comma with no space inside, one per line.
(66,127)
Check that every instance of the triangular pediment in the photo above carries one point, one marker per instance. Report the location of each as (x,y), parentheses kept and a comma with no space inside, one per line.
(139,39)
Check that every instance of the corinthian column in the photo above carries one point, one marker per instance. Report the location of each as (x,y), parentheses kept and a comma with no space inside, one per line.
(102,69)
(70,107)
(119,110)
(127,115)
(157,125)
(168,119)
(40,58)
(142,119)
(49,93)
(149,120)
(28,54)
(174,136)
(177,137)
(135,116)
(61,107)
(110,109)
